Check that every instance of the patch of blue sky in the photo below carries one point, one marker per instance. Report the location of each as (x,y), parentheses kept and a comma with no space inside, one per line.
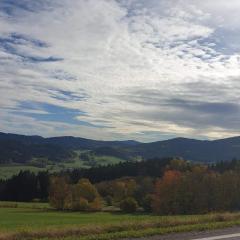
(16,38)
(62,75)
(225,41)
(14,7)
(37,59)
(11,43)
(53,113)
(70,96)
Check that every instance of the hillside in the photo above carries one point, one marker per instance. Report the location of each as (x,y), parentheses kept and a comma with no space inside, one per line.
(69,142)
(191,149)
(24,149)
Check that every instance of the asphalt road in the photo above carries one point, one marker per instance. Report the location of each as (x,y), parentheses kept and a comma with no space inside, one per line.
(229,233)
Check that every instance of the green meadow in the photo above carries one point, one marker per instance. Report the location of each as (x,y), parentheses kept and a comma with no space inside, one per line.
(8,170)
(38,221)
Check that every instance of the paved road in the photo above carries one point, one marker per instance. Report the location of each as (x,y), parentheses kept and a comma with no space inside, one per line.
(229,233)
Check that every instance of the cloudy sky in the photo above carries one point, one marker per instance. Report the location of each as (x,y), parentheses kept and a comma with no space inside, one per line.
(120,69)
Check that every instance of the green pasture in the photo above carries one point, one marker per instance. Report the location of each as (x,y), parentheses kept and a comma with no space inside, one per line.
(39,221)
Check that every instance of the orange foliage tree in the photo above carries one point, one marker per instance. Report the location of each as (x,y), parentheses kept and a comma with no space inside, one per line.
(164,199)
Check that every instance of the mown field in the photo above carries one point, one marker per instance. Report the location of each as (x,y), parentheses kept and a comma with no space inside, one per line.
(20,221)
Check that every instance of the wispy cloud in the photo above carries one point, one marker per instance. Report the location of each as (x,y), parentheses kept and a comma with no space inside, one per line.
(136,69)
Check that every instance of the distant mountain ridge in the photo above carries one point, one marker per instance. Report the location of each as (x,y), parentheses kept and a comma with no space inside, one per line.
(192,149)
(21,148)
(16,148)
(66,141)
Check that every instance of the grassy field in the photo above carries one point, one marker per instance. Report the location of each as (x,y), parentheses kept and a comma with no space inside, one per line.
(8,170)
(20,221)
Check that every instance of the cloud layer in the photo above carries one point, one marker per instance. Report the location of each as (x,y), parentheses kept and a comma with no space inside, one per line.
(120,69)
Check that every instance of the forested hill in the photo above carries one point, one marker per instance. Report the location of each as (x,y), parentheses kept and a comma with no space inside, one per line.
(191,149)
(65,141)
(21,149)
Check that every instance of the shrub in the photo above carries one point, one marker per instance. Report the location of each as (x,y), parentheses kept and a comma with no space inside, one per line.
(59,189)
(96,205)
(83,205)
(82,196)
(129,205)
(147,203)
(109,200)
(86,190)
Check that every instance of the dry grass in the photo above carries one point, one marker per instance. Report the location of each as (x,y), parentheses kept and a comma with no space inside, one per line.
(81,231)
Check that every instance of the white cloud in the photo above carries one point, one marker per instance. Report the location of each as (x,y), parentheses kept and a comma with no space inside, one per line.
(110,48)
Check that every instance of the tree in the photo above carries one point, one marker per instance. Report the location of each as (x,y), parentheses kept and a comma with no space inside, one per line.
(86,190)
(146,203)
(129,205)
(83,196)
(179,165)
(164,198)
(119,191)
(59,192)
(144,191)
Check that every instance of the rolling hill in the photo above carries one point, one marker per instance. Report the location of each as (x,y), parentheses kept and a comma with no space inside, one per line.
(22,149)
(191,149)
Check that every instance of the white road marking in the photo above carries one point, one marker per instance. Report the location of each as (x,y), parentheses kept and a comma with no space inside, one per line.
(220,237)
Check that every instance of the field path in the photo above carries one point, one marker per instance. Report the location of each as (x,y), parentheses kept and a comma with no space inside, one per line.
(228,233)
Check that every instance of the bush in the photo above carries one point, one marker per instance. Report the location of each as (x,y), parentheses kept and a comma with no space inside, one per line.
(109,200)
(147,203)
(83,205)
(59,189)
(129,205)
(82,196)
(96,205)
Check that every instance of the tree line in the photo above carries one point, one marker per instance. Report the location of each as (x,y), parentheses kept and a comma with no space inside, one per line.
(173,186)
(27,186)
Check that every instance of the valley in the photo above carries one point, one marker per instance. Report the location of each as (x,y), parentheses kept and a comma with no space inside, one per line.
(35,153)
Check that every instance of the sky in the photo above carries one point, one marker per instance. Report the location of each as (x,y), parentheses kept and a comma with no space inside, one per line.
(120,69)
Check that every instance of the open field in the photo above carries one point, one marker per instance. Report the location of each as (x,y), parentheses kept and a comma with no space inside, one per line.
(38,221)
(8,170)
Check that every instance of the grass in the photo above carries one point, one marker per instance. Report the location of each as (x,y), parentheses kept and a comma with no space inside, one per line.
(24,205)
(8,170)
(107,160)
(155,231)
(20,221)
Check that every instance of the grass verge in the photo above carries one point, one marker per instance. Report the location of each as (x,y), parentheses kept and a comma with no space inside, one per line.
(157,231)
(129,229)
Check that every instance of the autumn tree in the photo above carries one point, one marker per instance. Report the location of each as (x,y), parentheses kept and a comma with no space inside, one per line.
(85,196)
(129,205)
(179,164)
(144,192)
(82,196)
(164,198)
(59,191)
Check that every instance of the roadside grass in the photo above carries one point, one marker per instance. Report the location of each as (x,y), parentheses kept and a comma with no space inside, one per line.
(156,231)
(38,221)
